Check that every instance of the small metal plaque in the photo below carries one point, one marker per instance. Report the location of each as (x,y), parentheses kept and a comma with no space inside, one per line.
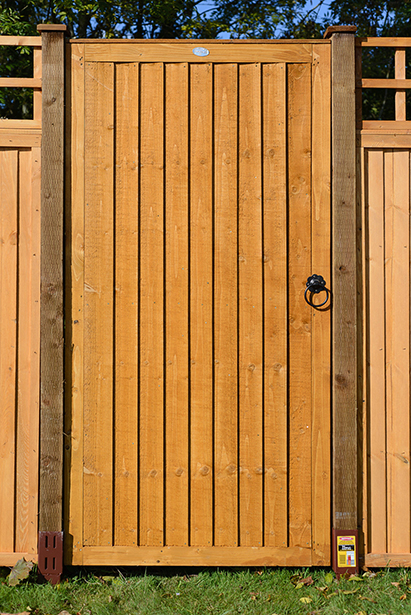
(200,51)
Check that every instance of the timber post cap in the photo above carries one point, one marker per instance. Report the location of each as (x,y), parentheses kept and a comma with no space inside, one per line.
(51,27)
(339,30)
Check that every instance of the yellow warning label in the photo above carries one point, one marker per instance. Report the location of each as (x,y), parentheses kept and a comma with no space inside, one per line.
(346,551)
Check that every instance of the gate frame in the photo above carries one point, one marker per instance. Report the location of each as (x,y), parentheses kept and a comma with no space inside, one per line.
(345,317)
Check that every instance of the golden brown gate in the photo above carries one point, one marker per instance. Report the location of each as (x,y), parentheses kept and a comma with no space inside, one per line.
(200,204)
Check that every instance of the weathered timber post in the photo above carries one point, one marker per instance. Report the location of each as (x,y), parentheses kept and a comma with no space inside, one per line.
(344,314)
(51,304)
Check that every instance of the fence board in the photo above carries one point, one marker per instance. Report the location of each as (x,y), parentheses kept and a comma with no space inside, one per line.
(74,409)
(375,219)
(177,304)
(397,343)
(126,304)
(250,301)
(275,304)
(201,303)
(98,309)
(28,352)
(225,306)
(151,447)
(300,315)
(8,336)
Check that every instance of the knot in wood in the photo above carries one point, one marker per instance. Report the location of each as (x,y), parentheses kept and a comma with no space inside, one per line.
(341,381)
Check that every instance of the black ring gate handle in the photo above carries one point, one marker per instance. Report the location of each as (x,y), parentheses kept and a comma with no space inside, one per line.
(315,285)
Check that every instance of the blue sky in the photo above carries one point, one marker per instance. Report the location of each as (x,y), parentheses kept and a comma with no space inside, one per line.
(319,8)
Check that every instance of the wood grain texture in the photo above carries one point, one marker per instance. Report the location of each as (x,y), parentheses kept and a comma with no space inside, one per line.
(225,306)
(401,84)
(344,313)
(250,301)
(37,74)
(201,556)
(321,320)
(201,304)
(391,141)
(18,41)
(219,52)
(74,410)
(300,315)
(376,347)
(126,285)
(275,304)
(98,307)
(383,41)
(177,304)
(8,335)
(52,351)
(27,456)
(20,82)
(390,560)
(397,272)
(10,139)
(200,214)
(400,96)
(151,447)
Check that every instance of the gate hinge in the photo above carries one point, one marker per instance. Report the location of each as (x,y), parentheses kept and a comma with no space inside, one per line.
(51,556)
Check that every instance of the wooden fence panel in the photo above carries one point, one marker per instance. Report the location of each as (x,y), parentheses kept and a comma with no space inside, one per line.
(386,209)
(193,389)
(20,348)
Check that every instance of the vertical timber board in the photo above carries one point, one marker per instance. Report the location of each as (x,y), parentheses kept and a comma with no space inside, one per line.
(376,348)
(98,305)
(177,304)
(275,304)
(201,303)
(225,306)
(344,345)
(151,403)
(250,302)
(74,521)
(300,314)
(8,336)
(397,282)
(28,353)
(126,282)
(51,326)
(321,325)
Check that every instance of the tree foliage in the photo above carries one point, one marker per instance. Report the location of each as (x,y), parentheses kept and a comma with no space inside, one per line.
(202,19)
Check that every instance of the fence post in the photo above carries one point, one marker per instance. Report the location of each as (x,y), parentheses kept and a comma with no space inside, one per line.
(51,303)
(344,313)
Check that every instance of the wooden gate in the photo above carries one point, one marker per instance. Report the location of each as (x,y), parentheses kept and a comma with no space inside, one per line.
(199,417)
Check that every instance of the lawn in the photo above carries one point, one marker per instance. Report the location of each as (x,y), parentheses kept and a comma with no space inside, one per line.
(211,591)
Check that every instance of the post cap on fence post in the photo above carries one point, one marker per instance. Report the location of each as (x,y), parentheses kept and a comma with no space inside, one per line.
(340,30)
(51,27)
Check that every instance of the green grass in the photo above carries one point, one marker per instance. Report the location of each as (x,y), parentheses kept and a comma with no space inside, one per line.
(212,591)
